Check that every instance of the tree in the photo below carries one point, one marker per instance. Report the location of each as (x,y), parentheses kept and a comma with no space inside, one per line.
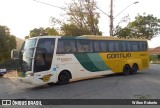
(144,27)
(122,32)
(82,19)
(72,30)
(38,32)
(7,43)
(42,32)
(51,31)
(26,37)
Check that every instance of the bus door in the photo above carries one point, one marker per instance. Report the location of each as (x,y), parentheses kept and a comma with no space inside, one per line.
(43,60)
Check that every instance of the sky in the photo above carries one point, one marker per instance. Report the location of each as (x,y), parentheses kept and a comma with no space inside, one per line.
(21,16)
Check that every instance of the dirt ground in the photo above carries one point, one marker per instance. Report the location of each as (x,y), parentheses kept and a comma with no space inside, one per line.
(11,75)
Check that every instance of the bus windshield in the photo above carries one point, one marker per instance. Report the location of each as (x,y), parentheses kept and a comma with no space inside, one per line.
(26,54)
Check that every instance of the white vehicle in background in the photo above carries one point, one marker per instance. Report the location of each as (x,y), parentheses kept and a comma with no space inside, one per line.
(2,72)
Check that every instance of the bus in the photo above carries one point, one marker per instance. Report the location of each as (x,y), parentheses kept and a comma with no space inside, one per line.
(60,59)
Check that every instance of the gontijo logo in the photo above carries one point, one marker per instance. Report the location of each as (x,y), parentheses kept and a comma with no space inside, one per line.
(120,55)
(46,78)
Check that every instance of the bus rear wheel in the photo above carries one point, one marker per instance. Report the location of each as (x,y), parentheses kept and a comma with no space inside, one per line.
(63,78)
(126,69)
(134,69)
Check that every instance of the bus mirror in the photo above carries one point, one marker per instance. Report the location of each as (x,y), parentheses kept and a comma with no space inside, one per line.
(15,54)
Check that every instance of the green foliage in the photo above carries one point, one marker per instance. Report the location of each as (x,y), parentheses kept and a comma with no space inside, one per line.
(84,16)
(42,32)
(70,30)
(153,57)
(9,64)
(38,32)
(73,30)
(51,31)
(26,37)
(82,19)
(122,32)
(7,43)
(143,27)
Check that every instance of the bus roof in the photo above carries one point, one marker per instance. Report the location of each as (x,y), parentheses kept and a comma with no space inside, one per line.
(109,38)
(93,37)
(47,36)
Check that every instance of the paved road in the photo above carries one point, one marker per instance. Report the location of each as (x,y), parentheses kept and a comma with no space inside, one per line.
(145,84)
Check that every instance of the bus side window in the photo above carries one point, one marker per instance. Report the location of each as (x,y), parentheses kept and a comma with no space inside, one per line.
(103,46)
(60,47)
(96,46)
(84,46)
(111,46)
(134,46)
(126,46)
(117,45)
(69,46)
(143,46)
(123,46)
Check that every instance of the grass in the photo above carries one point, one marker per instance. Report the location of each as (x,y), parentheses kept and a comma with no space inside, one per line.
(155,62)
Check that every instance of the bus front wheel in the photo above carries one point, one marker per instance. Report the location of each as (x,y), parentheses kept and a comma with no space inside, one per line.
(126,69)
(63,78)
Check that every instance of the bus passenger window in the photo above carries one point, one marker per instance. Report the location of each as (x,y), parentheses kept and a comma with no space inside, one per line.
(84,46)
(66,46)
(111,46)
(96,46)
(134,46)
(126,46)
(117,46)
(60,48)
(69,46)
(103,45)
(143,46)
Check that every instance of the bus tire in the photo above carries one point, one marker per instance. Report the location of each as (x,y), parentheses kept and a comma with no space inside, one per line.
(63,78)
(134,68)
(126,69)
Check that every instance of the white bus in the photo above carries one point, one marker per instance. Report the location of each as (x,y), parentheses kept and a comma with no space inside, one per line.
(58,59)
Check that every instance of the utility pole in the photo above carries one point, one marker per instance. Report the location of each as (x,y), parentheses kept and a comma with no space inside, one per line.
(111,15)
(111,18)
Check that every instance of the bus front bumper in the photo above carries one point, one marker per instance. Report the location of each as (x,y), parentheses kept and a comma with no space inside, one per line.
(30,80)
(27,80)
